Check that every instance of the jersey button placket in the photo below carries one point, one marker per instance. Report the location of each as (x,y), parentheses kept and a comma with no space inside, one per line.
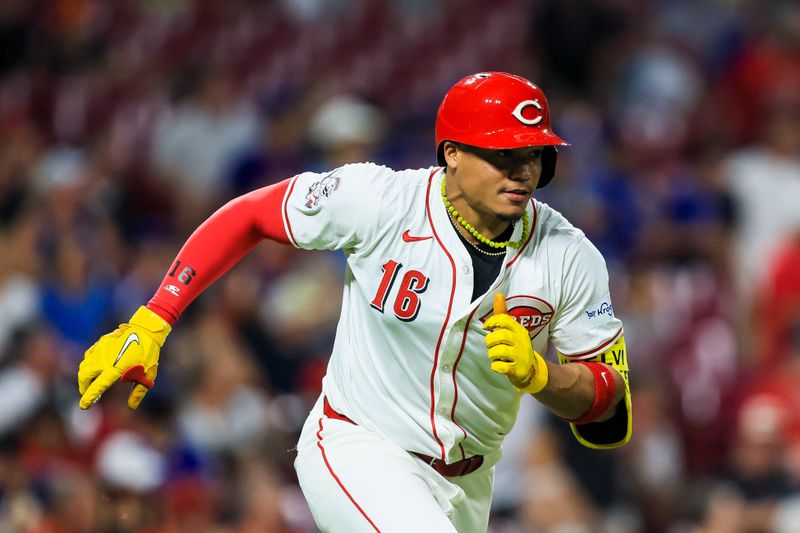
(444,403)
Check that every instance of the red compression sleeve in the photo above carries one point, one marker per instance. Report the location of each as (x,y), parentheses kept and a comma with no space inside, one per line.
(219,243)
(604,391)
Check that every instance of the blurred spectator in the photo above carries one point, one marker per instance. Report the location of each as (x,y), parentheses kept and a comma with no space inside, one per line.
(126,461)
(658,91)
(303,303)
(777,307)
(195,147)
(72,504)
(264,502)
(756,463)
(144,272)
(74,301)
(553,499)
(281,149)
(19,290)
(346,130)
(656,465)
(778,385)
(573,38)
(511,487)
(764,77)
(190,504)
(766,498)
(26,381)
(225,410)
(765,183)
(713,507)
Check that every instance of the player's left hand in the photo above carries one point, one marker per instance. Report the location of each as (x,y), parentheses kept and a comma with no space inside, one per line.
(511,351)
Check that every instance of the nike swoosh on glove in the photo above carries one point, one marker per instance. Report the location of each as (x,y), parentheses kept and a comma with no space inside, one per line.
(129,353)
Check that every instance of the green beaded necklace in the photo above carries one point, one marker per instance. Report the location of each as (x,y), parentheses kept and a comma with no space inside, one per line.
(475,233)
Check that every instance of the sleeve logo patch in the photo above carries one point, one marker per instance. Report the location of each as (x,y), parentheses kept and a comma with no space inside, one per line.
(323,188)
(600,309)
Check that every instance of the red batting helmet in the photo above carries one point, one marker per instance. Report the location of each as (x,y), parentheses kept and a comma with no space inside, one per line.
(498,111)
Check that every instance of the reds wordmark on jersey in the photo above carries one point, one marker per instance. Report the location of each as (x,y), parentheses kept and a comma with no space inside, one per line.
(409,361)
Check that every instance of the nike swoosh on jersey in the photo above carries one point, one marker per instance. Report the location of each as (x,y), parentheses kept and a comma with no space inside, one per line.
(407,237)
(133,337)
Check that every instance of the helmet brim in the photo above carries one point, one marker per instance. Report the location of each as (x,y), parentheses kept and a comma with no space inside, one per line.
(505,140)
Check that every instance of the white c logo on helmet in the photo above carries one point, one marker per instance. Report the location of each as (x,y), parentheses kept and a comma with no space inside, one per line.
(522,105)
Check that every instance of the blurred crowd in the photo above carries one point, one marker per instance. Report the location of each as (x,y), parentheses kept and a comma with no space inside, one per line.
(124,124)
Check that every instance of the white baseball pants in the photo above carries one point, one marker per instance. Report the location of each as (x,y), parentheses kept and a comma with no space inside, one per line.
(356,481)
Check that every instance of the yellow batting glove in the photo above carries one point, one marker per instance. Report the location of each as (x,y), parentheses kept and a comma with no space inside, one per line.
(511,351)
(129,353)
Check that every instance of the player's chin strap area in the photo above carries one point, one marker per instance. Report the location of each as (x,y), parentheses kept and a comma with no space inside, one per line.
(459,468)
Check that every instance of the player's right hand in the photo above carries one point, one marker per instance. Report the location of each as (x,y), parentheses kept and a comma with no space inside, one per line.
(129,353)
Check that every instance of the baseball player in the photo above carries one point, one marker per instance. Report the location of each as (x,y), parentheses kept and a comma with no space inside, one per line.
(457,280)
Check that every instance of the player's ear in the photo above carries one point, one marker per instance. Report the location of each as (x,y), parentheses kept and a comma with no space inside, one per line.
(451,151)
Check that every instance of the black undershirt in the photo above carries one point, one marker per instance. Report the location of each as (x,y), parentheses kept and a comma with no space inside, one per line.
(485,267)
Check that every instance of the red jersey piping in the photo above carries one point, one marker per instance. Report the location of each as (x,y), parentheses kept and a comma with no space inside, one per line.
(339,481)
(597,349)
(287,223)
(447,317)
(455,385)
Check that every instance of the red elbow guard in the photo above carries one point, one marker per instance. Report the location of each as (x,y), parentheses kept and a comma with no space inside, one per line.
(604,390)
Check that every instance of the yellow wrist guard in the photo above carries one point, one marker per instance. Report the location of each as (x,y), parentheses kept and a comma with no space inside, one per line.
(157,326)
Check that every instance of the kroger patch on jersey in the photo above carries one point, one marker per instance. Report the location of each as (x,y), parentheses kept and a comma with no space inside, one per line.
(531,312)
(599,311)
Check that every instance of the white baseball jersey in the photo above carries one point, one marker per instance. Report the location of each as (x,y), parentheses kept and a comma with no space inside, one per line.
(409,361)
